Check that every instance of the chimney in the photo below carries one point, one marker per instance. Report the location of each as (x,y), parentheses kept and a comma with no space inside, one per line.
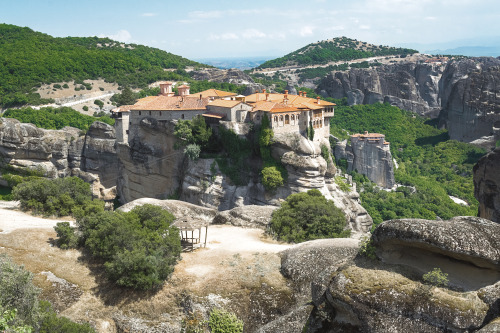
(317,100)
(263,91)
(304,94)
(200,96)
(286,96)
(183,90)
(300,92)
(256,91)
(366,132)
(166,88)
(267,96)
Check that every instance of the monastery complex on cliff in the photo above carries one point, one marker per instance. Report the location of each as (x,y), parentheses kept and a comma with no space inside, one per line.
(287,113)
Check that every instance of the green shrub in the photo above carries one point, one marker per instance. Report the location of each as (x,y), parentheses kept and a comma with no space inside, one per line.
(271,178)
(192,151)
(436,278)
(325,153)
(60,197)
(9,316)
(139,248)
(221,321)
(66,235)
(344,187)
(85,108)
(51,323)
(307,216)
(57,86)
(367,249)
(99,103)
(65,86)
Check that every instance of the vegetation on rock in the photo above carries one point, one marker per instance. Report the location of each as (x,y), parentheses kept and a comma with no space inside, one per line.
(221,321)
(431,167)
(436,278)
(306,216)
(55,118)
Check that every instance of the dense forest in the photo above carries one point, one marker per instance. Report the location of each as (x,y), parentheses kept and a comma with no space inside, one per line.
(337,49)
(431,166)
(29,59)
(55,118)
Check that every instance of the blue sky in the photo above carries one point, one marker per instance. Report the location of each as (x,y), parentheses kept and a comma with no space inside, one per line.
(202,29)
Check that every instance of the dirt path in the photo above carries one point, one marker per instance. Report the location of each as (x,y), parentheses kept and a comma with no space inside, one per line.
(239,270)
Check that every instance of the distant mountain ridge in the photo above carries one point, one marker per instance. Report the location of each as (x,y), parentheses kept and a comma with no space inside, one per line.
(29,59)
(332,50)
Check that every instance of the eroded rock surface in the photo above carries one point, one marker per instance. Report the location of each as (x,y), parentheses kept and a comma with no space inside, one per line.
(62,153)
(465,247)
(250,216)
(487,185)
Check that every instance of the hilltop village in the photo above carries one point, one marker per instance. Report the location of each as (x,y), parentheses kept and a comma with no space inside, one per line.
(287,113)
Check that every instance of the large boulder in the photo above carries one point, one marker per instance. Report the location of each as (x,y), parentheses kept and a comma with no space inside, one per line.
(487,185)
(464,247)
(178,208)
(250,216)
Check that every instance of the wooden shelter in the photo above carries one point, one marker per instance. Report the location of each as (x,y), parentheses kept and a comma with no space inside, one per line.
(191,232)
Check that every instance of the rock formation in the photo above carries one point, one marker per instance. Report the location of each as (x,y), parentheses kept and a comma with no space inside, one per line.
(410,86)
(470,91)
(355,294)
(464,93)
(368,154)
(487,185)
(61,153)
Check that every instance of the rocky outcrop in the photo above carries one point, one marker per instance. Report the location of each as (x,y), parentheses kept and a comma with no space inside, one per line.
(61,153)
(487,185)
(250,216)
(464,247)
(179,209)
(471,102)
(357,294)
(410,86)
(204,184)
(370,158)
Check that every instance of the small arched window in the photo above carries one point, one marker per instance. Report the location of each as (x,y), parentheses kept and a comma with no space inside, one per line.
(287,120)
(139,113)
(182,116)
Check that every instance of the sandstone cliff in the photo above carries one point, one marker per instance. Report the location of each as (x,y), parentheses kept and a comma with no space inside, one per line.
(61,153)
(409,86)
(374,160)
(487,185)
(463,93)
(152,167)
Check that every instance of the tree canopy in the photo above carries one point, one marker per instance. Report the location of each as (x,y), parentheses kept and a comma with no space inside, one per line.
(306,216)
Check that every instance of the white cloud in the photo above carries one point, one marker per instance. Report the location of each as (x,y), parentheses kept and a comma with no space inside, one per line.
(253,33)
(335,28)
(364,27)
(430,18)
(149,14)
(121,36)
(224,36)
(306,31)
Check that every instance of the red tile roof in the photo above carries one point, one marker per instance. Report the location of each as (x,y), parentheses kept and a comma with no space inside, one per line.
(173,103)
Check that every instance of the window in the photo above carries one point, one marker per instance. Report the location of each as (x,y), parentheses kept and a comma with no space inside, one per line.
(149,112)
(160,113)
(287,120)
(139,113)
(182,116)
(258,117)
(293,119)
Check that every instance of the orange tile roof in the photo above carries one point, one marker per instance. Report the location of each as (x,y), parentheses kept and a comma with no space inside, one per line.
(294,100)
(224,103)
(173,103)
(274,107)
(213,93)
(369,135)
(183,86)
(213,115)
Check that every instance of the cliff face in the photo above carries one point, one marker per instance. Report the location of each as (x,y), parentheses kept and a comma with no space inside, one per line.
(410,86)
(372,159)
(61,153)
(151,167)
(487,185)
(471,101)
(464,93)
